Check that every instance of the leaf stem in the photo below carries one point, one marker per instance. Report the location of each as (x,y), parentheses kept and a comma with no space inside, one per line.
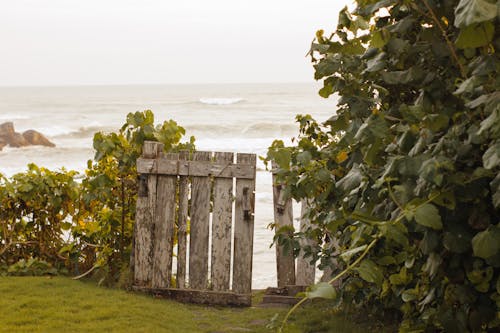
(448,42)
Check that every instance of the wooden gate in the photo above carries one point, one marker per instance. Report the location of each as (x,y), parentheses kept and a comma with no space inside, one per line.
(210,199)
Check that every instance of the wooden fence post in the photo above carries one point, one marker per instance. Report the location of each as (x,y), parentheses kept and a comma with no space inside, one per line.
(305,271)
(182,228)
(164,228)
(200,215)
(145,207)
(283,216)
(221,227)
(243,229)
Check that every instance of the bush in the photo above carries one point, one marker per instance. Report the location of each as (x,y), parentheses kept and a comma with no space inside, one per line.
(403,181)
(49,217)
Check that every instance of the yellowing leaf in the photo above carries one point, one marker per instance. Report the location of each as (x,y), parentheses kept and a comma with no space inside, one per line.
(341,156)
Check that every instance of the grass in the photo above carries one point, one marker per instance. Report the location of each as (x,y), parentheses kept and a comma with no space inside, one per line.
(59,304)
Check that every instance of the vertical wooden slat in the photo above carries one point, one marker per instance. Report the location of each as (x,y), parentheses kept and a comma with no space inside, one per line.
(221,227)
(200,216)
(145,206)
(305,271)
(283,216)
(164,228)
(243,229)
(182,216)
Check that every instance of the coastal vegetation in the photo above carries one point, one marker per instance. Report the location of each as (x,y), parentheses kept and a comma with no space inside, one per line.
(67,222)
(403,181)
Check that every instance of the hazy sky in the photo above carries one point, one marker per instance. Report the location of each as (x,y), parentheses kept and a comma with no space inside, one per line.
(59,42)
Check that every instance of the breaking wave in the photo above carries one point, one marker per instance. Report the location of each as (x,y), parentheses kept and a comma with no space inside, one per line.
(220,101)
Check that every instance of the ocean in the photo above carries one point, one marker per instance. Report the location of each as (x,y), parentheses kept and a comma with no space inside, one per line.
(242,118)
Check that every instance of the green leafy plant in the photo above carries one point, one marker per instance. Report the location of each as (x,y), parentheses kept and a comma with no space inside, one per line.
(104,229)
(408,167)
(85,225)
(37,207)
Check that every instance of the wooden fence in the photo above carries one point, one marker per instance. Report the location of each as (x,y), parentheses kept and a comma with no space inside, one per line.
(206,202)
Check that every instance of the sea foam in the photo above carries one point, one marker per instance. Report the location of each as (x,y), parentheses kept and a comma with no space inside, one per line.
(221,101)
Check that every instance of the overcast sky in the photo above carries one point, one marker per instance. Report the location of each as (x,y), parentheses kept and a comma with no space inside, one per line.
(61,42)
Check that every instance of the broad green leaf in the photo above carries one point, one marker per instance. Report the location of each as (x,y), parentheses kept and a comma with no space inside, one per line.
(480,277)
(380,38)
(491,123)
(353,47)
(322,290)
(409,295)
(445,199)
(372,8)
(370,272)
(436,122)
(466,86)
(428,216)
(375,64)
(475,35)
(304,157)
(400,278)
(491,157)
(351,180)
(486,243)
(396,232)
(409,76)
(386,261)
(326,91)
(474,11)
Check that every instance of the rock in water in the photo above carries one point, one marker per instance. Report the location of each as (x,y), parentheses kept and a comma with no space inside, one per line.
(37,138)
(8,135)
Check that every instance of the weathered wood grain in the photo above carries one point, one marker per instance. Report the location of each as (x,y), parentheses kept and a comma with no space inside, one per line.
(145,207)
(195,168)
(243,229)
(200,296)
(305,271)
(283,216)
(182,216)
(164,228)
(221,227)
(200,227)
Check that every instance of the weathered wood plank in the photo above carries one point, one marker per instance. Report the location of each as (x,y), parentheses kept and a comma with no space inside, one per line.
(243,229)
(145,208)
(283,216)
(195,168)
(200,296)
(182,216)
(221,227)
(200,227)
(164,228)
(305,271)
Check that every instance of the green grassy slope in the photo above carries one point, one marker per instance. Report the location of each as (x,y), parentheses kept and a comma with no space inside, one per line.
(45,304)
